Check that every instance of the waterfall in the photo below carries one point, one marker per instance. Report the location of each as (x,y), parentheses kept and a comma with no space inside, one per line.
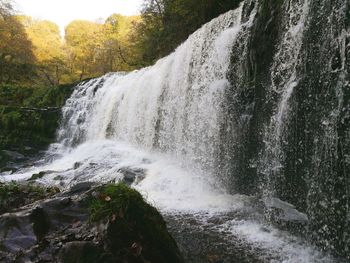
(249,115)
(173,106)
(284,81)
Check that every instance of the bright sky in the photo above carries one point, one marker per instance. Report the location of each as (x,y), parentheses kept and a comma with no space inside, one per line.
(64,11)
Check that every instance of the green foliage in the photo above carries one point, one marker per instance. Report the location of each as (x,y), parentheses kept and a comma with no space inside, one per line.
(47,48)
(94,49)
(118,200)
(33,52)
(29,116)
(35,97)
(14,195)
(83,43)
(133,223)
(16,51)
(167,23)
(37,176)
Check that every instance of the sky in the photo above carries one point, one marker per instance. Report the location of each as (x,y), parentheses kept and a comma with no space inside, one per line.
(64,11)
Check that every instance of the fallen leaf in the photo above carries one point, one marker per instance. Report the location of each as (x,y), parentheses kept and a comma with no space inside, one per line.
(136,249)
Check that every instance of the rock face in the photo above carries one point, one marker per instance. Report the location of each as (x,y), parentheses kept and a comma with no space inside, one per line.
(286,126)
(88,223)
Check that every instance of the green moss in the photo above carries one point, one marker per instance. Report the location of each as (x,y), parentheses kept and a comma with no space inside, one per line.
(36,176)
(133,221)
(113,198)
(22,96)
(14,195)
(29,116)
(4,158)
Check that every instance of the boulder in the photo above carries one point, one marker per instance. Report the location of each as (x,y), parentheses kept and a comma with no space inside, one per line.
(87,223)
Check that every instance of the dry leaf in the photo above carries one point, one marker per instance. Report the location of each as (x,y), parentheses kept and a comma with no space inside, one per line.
(136,249)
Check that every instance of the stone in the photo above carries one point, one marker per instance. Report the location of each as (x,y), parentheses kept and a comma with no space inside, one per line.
(59,228)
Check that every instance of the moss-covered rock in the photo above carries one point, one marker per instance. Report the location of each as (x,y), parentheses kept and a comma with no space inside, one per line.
(86,223)
(37,176)
(136,232)
(14,195)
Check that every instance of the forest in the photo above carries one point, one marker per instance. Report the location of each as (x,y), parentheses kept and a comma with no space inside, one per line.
(33,52)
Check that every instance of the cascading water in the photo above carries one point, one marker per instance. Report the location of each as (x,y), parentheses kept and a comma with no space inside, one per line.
(177,104)
(230,111)
(284,80)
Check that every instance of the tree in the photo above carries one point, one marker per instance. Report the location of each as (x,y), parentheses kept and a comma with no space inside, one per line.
(94,49)
(116,52)
(16,51)
(147,34)
(6,8)
(167,23)
(83,39)
(48,49)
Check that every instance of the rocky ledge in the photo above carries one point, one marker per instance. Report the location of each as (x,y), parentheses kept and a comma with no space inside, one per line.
(87,223)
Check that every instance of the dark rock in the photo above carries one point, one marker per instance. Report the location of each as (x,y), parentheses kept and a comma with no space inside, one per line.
(77,165)
(14,155)
(14,195)
(79,251)
(132,175)
(41,222)
(285,215)
(79,188)
(37,176)
(61,229)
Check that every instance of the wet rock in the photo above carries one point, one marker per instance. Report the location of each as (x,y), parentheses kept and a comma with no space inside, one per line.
(79,188)
(13,160)
(77,165)
(41,222)
(284,214)
(200,243)
(61,228)
(37,176)
(132,175)
(15,195)
(79,251)
(16,156)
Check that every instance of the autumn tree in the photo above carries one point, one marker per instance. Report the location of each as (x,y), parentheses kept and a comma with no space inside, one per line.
(83,39)
(48,49)
(33,49)
(116,53)
(16,56)
(95,48)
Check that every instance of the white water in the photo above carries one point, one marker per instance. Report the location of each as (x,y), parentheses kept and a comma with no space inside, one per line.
(173,106)
(164,120)
(284,81)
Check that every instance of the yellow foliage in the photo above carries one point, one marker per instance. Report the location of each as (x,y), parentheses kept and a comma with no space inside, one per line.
(89,49)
